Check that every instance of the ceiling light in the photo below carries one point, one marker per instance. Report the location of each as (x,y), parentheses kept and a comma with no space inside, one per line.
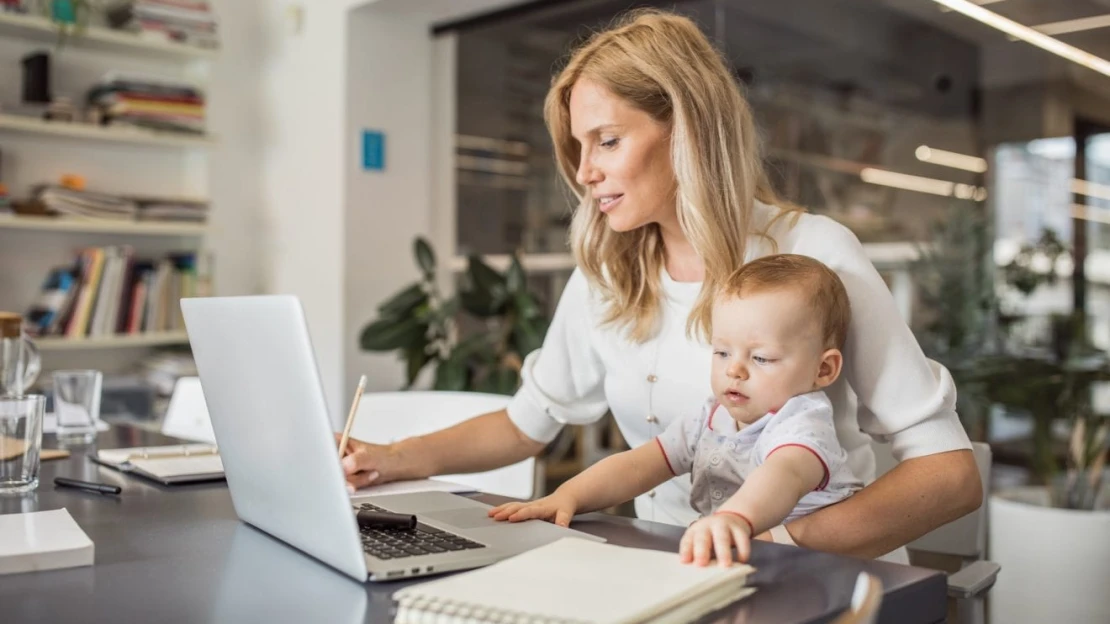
(920,184)
(945,158)
(1090,189)
(1028,35)
(1075,25)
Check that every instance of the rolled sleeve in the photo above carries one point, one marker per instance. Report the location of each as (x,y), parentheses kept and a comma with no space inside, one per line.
(563,382)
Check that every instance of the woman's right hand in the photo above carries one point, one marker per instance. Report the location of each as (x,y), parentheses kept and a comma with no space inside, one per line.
(367,464)
(558,508)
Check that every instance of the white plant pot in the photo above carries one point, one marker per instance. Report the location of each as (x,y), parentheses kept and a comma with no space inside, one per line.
(1055,562)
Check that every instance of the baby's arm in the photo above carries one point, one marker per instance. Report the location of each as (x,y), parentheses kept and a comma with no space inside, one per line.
(767,496)
(609,482)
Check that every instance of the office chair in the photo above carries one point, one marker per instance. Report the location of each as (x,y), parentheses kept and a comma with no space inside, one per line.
(964,539)
(385,417)
(867,597)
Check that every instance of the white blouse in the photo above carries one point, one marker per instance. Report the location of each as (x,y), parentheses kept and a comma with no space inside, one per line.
(888,389)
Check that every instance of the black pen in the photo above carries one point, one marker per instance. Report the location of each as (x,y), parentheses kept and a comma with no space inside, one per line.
(100,488)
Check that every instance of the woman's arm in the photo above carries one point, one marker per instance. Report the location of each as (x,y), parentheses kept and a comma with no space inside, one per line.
(481,443)
(915,497)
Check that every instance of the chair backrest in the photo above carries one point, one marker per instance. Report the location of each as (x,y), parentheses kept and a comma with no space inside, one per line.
(963,537)
(187,415)
(867,597)
(385,417)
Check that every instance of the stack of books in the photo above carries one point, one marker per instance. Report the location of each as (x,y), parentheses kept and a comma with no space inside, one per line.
(59,200)
(172,209)
(183,21)
(156,103)
(110,291)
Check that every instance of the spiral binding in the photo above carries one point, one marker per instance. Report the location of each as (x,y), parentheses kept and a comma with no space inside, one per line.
(417,609)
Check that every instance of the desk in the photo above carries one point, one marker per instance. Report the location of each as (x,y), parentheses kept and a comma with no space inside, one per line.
(180,555)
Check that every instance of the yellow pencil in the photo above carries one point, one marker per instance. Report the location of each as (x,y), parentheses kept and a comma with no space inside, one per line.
(351,416)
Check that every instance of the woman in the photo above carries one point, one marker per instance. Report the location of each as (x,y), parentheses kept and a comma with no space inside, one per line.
(657,142)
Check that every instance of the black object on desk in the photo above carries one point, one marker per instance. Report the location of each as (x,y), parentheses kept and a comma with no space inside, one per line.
(369,519)
(100,488)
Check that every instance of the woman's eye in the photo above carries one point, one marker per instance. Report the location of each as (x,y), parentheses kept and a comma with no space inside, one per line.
(610,144)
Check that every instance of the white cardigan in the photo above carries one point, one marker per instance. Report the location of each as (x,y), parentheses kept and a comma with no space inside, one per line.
(888,389)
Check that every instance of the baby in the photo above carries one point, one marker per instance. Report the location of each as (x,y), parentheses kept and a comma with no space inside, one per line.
(761,451)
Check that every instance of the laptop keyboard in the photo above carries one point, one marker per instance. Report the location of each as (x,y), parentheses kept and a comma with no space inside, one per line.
(398,544)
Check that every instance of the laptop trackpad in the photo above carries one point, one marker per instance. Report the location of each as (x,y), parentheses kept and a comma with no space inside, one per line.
(466,518)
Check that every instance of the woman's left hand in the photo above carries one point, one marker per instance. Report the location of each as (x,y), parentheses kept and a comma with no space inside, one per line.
(713,537)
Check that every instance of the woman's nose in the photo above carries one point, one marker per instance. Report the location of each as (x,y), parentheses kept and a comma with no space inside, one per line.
(587,173)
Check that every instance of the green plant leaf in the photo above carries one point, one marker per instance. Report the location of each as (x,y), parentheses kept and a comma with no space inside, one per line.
(416,358)
(526,337)
(499,380)
(515,280)
(388,334)
(526,306)
(479,303)
(404,303)
(451,374)
(425,257)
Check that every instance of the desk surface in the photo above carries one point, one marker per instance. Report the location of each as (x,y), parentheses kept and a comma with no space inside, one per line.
(180,555)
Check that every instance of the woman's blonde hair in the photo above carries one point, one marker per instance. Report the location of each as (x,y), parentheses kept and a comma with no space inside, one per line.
(662,64)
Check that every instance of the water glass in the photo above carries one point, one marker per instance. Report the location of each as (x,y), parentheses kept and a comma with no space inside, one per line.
(20,442)
(77,405)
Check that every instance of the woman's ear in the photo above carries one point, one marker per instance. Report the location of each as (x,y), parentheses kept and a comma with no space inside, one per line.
(829,370)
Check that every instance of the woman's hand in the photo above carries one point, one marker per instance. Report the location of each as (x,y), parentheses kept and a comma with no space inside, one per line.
(716,534)
(367,464)
(558,508)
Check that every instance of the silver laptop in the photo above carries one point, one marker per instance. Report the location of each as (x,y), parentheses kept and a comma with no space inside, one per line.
(264,395)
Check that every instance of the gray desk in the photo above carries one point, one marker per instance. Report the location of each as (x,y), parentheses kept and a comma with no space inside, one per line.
(180,555)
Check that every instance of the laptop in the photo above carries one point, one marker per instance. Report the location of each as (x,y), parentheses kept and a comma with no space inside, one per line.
(256,365)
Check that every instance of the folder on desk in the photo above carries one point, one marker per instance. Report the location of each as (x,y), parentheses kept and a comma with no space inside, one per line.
(169,465)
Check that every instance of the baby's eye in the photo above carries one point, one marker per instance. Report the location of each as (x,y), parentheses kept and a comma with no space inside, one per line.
(720,354)
(759,359)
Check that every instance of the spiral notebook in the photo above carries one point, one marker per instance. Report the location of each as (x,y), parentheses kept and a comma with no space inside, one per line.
(578,581)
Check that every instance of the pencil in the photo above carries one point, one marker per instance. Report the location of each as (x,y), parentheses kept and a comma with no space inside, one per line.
(351,416)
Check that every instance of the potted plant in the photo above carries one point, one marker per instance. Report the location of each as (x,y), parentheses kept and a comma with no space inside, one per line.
(501,318)
(1051,536)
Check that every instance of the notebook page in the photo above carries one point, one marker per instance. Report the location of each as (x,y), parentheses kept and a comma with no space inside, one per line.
(119,456)
(579,580)
(167,467)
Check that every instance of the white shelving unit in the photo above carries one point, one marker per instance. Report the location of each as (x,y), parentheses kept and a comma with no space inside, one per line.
(78,130)
(40,29)
(112,46)
(62,224)
(154,339)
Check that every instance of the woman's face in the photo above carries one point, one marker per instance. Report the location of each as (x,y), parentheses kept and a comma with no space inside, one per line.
(625,162)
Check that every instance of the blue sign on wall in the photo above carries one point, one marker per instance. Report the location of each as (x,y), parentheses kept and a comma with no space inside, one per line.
(373,150)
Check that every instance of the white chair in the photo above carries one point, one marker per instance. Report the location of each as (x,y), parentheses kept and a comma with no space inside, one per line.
(385,417)
(866,600)
(964,539)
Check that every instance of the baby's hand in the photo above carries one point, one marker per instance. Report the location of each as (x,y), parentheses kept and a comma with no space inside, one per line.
(716,534)
(555,508)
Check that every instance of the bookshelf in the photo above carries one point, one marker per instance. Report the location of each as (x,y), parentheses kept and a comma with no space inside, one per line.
(62,224)
(153,339)
(78,130)
(41,30)
(114,159)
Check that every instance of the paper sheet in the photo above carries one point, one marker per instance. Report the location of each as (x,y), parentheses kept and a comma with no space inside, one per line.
(407,487)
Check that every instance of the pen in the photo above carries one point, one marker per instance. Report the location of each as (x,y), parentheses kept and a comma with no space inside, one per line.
(351,416)
(101,488)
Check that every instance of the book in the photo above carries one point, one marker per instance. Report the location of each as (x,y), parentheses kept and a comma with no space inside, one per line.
(42,540)
(576,580)
(169,465)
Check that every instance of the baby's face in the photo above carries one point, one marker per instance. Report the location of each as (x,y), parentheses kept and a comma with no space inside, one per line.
(767,348)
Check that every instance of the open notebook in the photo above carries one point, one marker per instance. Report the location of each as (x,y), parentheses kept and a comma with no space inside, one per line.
(178,463)
(574,580)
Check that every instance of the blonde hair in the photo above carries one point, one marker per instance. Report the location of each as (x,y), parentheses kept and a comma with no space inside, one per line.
(824,292)
(662,64)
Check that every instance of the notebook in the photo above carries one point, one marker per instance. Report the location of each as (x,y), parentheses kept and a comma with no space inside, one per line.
(169,465)
(42,540)
(575,580)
